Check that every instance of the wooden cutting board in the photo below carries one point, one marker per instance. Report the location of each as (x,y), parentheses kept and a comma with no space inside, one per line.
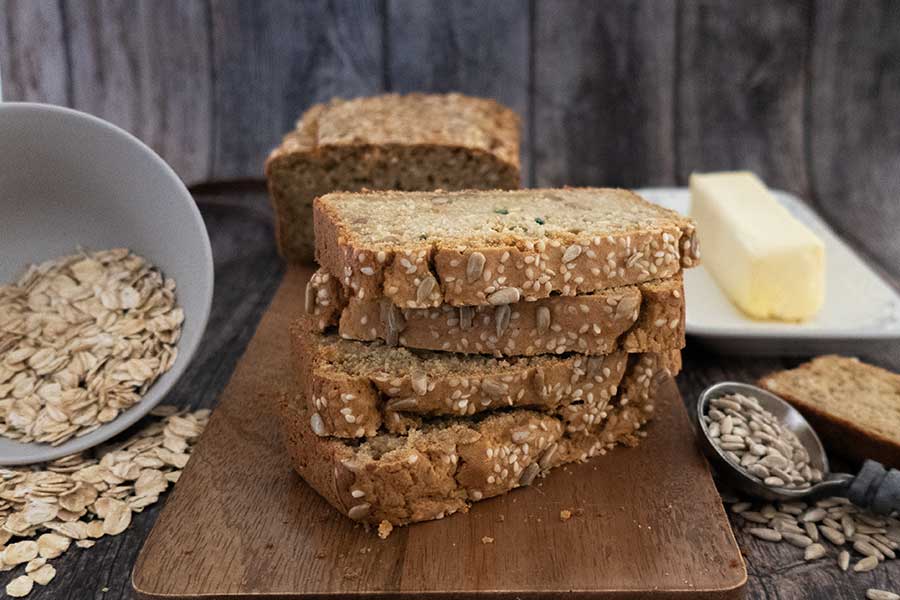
(647,521)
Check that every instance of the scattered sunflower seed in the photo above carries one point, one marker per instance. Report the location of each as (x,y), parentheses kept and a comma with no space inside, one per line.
(832,535)
(796,539)
(814,552)
(754,517)
(799,525)
(764,533)
(812,532)
(866,564)
(876,594)
(813,515)
(867,549)
(844,560)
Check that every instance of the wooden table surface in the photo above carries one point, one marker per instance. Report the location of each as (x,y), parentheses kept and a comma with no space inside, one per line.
(248,272)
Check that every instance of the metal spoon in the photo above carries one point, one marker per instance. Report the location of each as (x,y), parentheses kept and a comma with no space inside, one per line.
(873,487)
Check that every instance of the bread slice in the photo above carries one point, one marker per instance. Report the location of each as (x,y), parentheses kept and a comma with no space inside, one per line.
(648,317)
(412,142)
(440,469)
(358,390)
(853,406)
(474,248)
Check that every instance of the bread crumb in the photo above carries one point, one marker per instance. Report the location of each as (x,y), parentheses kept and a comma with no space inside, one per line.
(565,515)
(320,554)
(501,518)
(384,529)
(487,540)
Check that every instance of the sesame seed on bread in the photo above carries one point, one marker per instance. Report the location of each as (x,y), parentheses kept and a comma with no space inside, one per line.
(648,317)
(446,464)
(853,406)
(470,248)
(358,389)
(391,141)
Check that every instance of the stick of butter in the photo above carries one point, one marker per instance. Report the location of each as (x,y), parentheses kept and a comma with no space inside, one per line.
(769,263)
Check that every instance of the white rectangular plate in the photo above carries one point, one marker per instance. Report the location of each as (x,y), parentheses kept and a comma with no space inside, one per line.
(861,311)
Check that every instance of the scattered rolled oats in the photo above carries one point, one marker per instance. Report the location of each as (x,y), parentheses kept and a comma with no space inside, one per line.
(82,338)
(20,586)
(86,496)
(43,575)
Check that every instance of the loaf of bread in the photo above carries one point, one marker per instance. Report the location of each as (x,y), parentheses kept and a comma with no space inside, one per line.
(470,248)
(357,390)
(648,317)
(389,142)
(853,406)
(447,464)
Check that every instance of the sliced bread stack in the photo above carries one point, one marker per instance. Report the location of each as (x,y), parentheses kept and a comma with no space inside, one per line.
(388,142)
(457,345)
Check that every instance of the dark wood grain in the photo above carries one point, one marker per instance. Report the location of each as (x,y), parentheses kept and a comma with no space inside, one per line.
(741,89)
(145,66)
(272,60)
(854,132)
(478,48)
(243,515)
(33,51)
(604,80)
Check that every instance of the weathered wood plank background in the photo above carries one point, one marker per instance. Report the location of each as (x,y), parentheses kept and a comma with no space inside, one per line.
(612,92)
(624,92)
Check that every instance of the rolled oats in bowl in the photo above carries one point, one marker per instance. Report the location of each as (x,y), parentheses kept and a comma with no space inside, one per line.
(82,338)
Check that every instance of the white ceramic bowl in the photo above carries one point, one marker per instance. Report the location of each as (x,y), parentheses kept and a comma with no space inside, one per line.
(70,180)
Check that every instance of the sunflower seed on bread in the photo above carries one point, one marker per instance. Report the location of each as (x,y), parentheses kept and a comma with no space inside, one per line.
(538,242)
(648,317)
(355,389)
(444,465)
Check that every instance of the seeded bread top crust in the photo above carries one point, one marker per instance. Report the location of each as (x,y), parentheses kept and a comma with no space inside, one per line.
(422,249)
(489,218)
(450,120)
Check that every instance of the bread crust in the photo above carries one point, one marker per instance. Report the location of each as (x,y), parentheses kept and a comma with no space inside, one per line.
(430,473)
(851,436)
(380,137)
(648,317)
(356,403)
(566,263)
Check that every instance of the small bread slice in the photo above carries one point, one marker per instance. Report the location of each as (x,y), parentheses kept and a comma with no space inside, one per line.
(853,406)
(357,390)
(446,465)
(648,317)
(471,248)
